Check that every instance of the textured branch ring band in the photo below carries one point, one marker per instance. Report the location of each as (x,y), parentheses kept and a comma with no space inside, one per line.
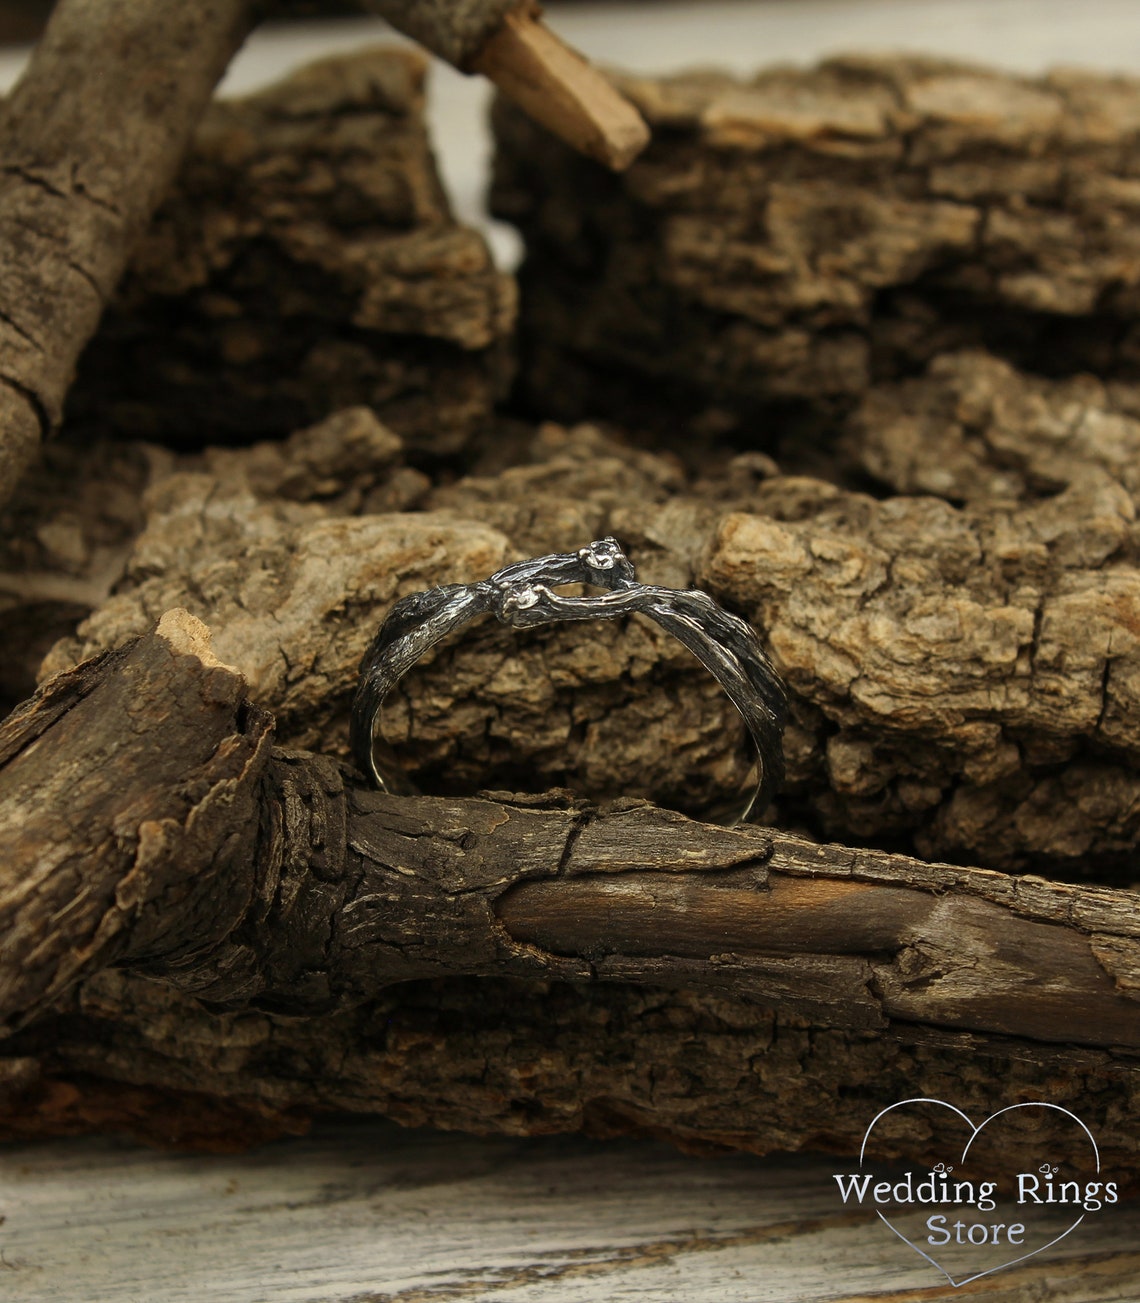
(521,595)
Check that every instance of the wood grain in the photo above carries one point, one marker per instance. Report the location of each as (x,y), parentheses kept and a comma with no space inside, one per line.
(250,892)
(370,1212)
(558,88)
(91,137)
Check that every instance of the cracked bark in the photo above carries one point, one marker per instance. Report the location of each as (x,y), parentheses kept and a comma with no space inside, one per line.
(305,260)
(90,145)
(247,889)
(787,241)
(964,676)
(964,670)
(99,122)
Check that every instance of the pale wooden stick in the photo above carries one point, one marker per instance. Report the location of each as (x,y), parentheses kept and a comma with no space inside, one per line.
(558,88)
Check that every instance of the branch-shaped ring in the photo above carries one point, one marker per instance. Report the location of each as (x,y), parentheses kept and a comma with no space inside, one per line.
(522,595)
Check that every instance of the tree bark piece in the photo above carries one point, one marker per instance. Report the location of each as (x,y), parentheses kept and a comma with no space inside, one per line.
(93,134)
(306,260)
(965,679)
(263,883)
(104,835)
(91,137)
(64,541)
(973,429)
(788,240)
(704,1070)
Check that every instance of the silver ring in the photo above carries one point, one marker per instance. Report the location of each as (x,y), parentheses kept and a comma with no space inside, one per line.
(521,595)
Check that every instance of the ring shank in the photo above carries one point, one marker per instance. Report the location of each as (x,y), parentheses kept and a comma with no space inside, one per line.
(521,595)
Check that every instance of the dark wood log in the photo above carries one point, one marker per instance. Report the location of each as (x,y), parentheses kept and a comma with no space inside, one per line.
(260,882)
(702,1069)
(95,829)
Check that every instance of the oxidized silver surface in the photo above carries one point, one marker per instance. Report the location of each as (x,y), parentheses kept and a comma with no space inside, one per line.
(520,595)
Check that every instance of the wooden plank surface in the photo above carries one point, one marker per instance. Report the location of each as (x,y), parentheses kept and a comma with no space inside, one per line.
(367,1211)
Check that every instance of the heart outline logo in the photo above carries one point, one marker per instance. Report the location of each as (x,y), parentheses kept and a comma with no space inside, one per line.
(975,1131)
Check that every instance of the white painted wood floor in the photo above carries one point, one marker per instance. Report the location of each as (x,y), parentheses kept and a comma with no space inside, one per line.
(369,1212)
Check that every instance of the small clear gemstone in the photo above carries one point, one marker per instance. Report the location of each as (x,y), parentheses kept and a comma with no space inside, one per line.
(599,560)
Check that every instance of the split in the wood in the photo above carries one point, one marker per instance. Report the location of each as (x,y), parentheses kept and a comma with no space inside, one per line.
(318,894)
(344,890)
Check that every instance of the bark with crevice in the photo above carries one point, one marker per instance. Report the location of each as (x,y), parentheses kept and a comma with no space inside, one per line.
(964,678)
(790,239)
(305,260)
(266,898)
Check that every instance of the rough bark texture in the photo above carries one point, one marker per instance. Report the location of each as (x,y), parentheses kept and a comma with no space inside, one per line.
(260,881)
(299,215)
(786,241)
(965,678)
(521,1057)
(965,666)
(306,260)
(91,137)
(64,540)
(456,30)
(117,830)
(320,209)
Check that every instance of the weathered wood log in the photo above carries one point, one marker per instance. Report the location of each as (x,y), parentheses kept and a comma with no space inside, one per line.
(965,679)
(95,830)
(519,1057)
(91,137)
(260,882)
(788,240)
